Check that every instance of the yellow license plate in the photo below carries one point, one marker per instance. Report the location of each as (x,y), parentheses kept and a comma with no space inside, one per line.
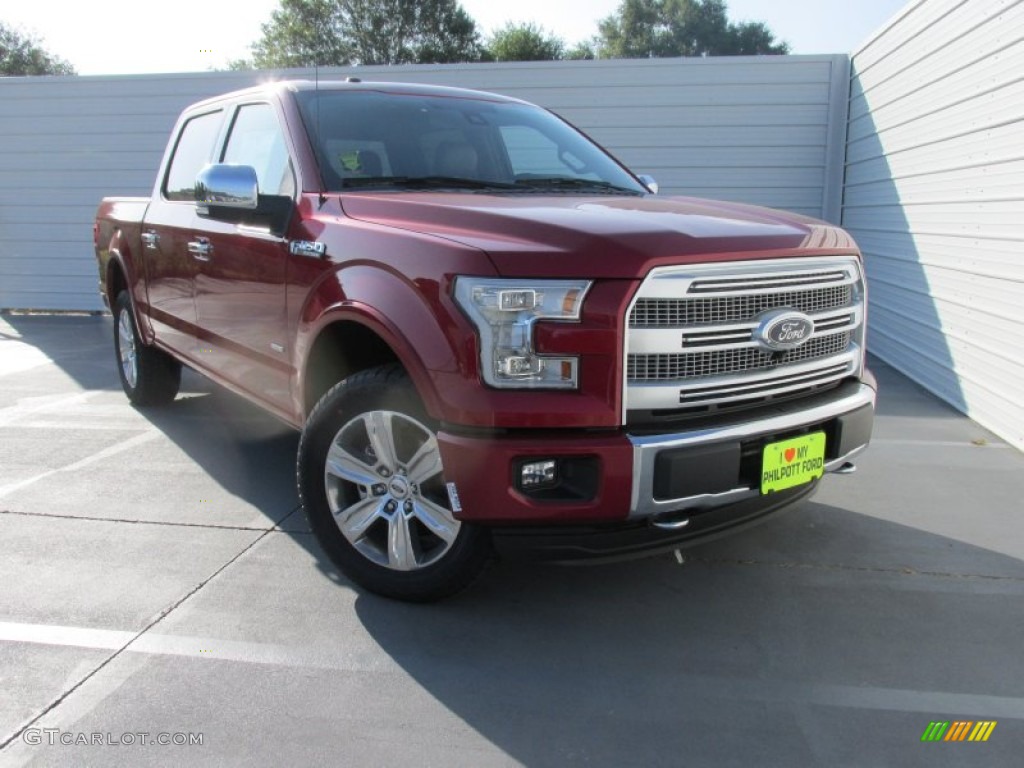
(793,462)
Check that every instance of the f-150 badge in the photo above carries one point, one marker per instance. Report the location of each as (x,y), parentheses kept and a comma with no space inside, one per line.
(314,249)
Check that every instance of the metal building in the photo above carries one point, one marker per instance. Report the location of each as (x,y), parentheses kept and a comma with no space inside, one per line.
(760,130)
(934,196)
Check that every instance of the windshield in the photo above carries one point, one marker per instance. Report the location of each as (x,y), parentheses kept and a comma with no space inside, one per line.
(376,140)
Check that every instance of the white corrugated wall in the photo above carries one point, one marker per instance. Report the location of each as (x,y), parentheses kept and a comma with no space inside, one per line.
(934,195)
(765,130)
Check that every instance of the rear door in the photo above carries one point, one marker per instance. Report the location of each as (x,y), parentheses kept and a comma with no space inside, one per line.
(169,224)
(240,269)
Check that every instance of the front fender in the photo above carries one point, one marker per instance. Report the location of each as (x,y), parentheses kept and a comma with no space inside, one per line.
(413,319)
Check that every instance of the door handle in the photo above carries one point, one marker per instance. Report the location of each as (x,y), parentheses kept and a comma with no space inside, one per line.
(200,249)
(150,240)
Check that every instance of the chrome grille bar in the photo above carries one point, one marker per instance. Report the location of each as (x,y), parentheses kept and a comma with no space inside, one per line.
(768,385)
(654,313)
(760,283)
(750,357)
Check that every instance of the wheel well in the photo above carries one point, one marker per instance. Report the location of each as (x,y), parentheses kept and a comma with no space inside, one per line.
(339,351)
(116,282)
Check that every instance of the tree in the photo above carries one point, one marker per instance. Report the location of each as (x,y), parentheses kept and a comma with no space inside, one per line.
(22,54)
(585,49)
(302,33)
(525,42)
(654,28)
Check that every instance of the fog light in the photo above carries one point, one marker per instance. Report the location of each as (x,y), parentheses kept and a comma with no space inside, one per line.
(537,474)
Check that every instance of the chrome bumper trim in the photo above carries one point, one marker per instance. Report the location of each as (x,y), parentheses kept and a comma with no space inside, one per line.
(791,416)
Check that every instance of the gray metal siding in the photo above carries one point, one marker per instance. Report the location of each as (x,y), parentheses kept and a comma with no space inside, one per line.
(934,195)
(759,130)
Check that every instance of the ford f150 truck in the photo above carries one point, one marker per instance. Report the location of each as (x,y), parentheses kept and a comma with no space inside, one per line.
(487,329)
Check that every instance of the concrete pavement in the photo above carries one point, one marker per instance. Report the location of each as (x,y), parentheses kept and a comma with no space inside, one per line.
(156,578)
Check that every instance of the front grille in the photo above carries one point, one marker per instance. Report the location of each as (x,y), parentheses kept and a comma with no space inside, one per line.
(692,337)
(669,313)
(672,367)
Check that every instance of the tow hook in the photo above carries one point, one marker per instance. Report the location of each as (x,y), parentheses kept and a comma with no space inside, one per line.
(670,524)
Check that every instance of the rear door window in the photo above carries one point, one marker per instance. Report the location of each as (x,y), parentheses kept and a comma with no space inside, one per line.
(193,152)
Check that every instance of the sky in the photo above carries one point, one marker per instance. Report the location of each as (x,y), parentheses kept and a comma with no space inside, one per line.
(133,37)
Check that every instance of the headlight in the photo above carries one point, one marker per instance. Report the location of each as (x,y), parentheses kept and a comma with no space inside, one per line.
(504,312)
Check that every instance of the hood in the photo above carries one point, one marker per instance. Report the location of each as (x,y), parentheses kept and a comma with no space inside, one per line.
(601,237)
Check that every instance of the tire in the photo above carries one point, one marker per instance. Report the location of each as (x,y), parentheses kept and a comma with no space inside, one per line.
(372,486)
(148,375)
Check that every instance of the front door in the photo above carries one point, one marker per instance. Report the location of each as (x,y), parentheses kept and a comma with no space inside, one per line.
(240,273)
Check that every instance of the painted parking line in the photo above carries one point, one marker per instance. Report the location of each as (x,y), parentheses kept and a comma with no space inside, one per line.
(106,453)
(36,405)
(207,648)
(78,637)
(369,659)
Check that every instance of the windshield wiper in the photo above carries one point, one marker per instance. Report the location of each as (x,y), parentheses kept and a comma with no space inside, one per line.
(423,182)
(569,184)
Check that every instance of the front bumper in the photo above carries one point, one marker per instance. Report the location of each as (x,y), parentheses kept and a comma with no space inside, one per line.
(846,417)
(661,481)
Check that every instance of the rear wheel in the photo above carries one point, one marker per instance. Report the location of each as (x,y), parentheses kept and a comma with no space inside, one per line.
(372,486)
(148,375)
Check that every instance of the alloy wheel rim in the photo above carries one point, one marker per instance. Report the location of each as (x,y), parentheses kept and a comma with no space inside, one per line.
(126,349)
(383,476)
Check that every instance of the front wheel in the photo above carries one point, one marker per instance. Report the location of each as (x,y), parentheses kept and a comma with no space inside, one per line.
(148,375)
(372,485)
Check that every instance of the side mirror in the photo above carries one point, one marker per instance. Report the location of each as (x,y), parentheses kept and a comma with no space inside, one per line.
(649,182)
(231,193)
(228,186)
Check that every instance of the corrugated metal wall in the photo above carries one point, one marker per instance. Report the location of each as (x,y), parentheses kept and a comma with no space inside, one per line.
(934,195)
(765,130)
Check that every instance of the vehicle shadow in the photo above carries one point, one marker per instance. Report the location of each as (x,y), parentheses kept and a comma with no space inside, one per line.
(81,346)
(774,647)
(219,443)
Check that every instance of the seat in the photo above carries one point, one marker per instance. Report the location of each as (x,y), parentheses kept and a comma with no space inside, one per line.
(459,160)
(370,164)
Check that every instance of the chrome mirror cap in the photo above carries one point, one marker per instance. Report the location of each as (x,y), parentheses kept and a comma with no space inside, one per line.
(228,186)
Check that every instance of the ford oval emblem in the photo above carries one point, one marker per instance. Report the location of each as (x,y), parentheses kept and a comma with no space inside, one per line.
(783,329)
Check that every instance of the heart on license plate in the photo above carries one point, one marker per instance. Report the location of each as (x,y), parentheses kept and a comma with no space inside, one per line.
(793,462)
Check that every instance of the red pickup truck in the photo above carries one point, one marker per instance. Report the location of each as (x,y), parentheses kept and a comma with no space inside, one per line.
(491,334)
